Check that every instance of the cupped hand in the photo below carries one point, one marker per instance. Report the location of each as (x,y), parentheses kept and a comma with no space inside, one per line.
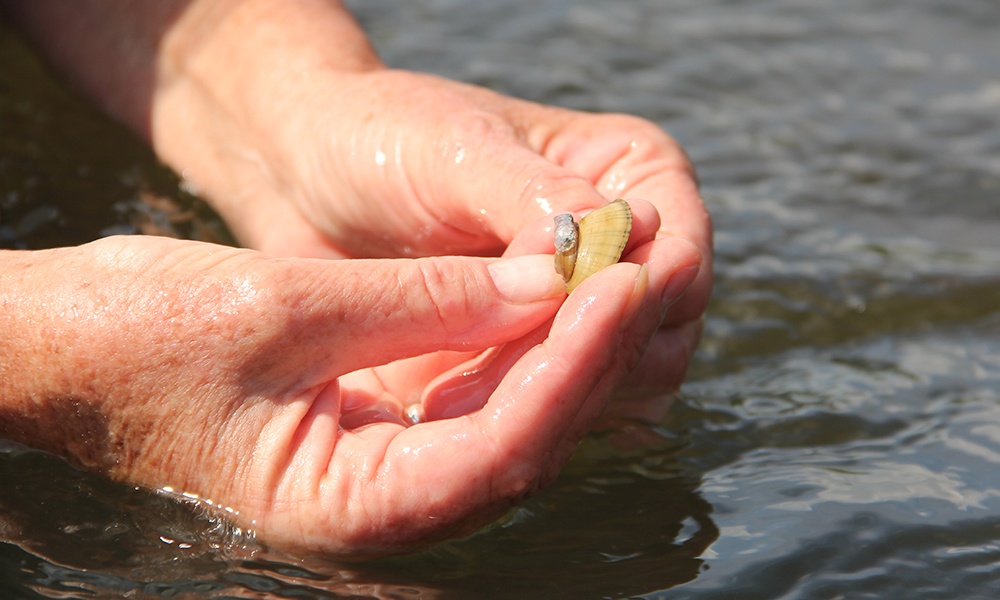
(386,163)
(253,382)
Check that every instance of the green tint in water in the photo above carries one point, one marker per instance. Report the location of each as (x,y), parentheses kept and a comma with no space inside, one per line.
(839,435)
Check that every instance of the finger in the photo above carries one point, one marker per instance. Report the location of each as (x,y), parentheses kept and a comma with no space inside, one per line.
(647,393)
(536,238)
(666,360)
(535,407)
(675,264)
(674,193)
(672,264)
(511,185)
(467,387)
(465,382)
(651,388)
(690,221)
(625,156)
(685,264)
(354,314)
(407,379)
(506,178)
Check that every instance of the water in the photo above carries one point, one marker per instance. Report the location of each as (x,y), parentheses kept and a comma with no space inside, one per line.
(839,434)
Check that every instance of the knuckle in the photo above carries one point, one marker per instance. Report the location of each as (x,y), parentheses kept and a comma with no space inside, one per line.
(438,288)
(564,188)
(483,127)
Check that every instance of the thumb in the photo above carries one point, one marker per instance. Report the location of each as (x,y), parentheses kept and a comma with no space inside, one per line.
(385,310)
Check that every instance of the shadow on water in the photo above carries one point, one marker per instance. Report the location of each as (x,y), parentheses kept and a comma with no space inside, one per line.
(70,532)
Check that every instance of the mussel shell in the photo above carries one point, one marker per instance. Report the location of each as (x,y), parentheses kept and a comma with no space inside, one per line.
(603,234)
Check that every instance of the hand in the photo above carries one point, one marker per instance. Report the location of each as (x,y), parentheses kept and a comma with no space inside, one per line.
(414,165)
(246,380)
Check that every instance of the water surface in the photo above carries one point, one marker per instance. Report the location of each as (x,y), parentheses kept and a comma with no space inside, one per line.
(839,435)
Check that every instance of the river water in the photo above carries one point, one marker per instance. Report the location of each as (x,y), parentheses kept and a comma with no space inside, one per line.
(839,433)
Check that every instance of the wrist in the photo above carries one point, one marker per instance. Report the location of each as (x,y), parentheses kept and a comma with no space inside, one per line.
(226,115)
(49,396)
(86,352)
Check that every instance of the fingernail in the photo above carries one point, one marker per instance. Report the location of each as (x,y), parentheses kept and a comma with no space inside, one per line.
(527,279)
(678,284)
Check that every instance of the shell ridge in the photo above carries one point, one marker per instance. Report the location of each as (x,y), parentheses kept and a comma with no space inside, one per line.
(603,235)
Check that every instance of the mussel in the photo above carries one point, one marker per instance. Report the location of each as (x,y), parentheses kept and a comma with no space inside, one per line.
(596,242)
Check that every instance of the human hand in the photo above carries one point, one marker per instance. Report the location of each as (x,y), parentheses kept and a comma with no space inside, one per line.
(415,165)
(247,380)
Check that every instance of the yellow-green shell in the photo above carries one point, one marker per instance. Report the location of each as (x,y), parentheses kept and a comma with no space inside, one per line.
(603,234)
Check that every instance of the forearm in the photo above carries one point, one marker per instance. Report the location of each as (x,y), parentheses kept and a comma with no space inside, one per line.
(88,342)
(107,48)
(91,339)
(211,84)
(128,55)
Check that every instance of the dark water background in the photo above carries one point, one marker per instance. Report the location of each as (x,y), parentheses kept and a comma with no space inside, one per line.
(839,435)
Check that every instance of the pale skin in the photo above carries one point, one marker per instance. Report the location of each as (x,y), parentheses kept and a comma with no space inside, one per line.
(269,379)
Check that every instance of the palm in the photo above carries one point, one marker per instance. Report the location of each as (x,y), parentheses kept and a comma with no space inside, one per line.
(272,390)
(362,480)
